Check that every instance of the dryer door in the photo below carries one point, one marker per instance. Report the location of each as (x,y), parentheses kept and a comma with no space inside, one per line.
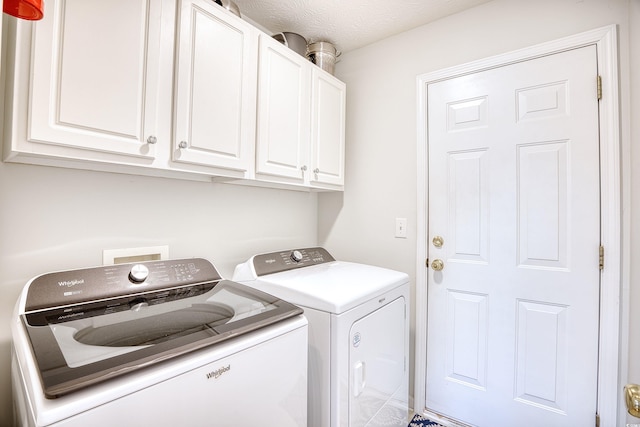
(377,361)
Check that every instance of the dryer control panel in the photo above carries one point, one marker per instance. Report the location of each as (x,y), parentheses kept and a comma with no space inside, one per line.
(276,262)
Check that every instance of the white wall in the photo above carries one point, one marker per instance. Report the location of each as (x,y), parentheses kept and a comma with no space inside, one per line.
(55,219)
(382,123)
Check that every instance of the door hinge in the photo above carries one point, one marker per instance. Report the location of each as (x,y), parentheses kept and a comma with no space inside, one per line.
(597,420)
(599,88)
(601,258)
(427,263)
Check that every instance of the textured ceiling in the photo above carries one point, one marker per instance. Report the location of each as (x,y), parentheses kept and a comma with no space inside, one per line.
(348,24)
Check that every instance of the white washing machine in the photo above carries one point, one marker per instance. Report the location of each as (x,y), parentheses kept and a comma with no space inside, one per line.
(160,343)
(358,333)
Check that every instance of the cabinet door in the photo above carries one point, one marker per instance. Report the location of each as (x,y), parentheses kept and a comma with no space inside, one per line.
(327,129)
(94,76)
(284,112)
(215,87)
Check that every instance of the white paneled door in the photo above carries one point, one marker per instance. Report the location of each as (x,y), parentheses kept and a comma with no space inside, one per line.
(514,218)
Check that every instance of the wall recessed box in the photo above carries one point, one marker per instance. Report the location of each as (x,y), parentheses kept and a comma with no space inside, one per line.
(121,256)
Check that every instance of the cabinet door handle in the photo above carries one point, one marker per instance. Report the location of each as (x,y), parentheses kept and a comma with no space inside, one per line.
(152,139)
(183,144)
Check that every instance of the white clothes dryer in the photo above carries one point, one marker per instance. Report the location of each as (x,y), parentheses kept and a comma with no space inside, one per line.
(158,343)
(358,333)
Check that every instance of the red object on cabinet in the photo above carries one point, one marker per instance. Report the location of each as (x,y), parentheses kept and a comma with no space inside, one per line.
(32,10)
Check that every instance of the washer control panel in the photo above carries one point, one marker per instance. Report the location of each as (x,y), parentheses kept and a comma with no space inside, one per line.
(87,285)
(276,262)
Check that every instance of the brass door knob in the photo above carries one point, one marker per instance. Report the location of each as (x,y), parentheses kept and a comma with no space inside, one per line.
(632,399)
(437,265)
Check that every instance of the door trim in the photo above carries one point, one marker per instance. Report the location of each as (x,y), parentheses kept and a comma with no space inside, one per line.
(610,343)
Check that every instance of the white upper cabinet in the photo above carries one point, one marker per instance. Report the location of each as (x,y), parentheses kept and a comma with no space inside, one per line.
(301,120)
(94,78)
(215,87)
(284,112)
(174,88)
(327,130)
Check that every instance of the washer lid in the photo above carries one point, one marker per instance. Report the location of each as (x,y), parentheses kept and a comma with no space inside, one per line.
(333,287)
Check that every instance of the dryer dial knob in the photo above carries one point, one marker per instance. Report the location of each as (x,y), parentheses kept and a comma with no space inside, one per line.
(138,273)
(296,256)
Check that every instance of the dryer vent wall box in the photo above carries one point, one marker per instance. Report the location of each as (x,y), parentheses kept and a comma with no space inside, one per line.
(358,315)
(127,255)
(88,342)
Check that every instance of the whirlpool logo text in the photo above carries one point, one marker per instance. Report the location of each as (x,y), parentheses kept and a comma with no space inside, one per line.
(218,372)
(70,283)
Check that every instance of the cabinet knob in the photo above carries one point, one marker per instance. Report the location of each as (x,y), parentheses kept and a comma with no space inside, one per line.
(152,139)
(303,168)
(316,171)
(183,144)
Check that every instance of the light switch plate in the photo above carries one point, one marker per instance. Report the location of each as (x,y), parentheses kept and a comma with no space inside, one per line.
(401,228)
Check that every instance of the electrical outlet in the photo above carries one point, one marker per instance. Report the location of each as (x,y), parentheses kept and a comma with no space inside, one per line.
(401,228)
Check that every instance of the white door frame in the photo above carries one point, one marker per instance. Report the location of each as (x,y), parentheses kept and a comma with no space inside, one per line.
(605,38)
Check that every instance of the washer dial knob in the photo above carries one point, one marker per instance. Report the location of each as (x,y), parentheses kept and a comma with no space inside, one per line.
(138,273)
(296,256)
